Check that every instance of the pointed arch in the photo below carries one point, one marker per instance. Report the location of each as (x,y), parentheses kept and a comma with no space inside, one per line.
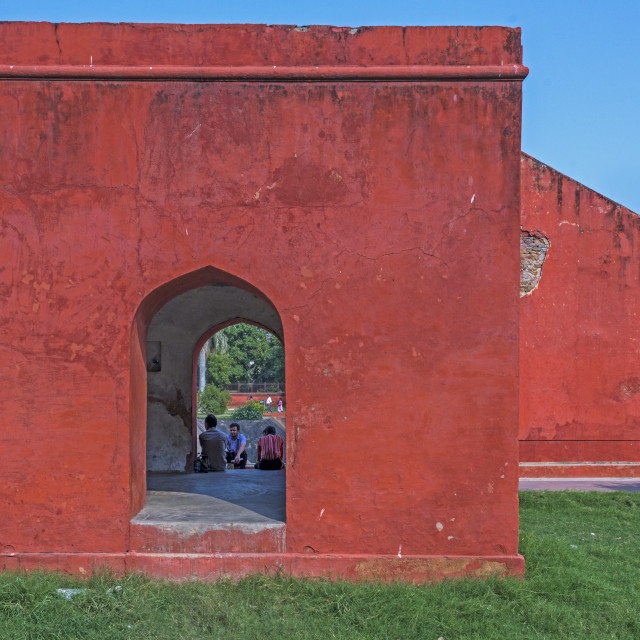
(177,317)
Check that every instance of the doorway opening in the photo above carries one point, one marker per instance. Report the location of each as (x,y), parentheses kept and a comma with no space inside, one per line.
(240,374)
(172,326)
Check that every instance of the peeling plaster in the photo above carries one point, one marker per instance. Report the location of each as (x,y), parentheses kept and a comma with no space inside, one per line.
(533,252)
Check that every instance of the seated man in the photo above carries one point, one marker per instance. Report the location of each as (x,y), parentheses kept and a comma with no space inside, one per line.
(270,450)
(236,444)
(213,443)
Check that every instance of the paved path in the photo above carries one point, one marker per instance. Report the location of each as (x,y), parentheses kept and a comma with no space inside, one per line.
(581,484)
(238,495)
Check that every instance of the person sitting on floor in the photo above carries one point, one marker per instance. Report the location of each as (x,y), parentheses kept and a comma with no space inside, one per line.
(270,450)
(214,444)
(236,445)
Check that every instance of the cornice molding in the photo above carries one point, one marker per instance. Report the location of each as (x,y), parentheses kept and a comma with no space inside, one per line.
(276,74)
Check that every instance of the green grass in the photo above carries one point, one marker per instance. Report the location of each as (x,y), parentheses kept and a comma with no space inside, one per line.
(582,581)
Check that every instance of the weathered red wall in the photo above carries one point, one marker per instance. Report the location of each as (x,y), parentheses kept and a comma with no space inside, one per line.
(580,330)
(381,220)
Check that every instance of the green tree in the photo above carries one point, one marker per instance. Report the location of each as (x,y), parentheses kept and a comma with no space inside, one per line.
(273,370)
(213,400)
(234,348)
(221,369)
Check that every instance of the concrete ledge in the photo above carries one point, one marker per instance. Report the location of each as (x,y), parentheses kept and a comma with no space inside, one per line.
(184,566)
(268,73)
(579,470)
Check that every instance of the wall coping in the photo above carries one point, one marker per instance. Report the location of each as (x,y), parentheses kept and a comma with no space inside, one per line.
(268,73)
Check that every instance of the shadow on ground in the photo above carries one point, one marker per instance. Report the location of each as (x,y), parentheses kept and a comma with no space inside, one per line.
(237,495)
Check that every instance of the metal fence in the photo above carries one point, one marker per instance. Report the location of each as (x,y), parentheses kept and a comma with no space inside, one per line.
(255,387)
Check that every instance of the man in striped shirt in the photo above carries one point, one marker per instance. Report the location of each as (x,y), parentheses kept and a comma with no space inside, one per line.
(270,450)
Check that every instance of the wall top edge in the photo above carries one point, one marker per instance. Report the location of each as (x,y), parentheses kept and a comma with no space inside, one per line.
(537,168)
(43,43)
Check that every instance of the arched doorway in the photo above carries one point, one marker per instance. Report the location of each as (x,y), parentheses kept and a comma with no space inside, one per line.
(240,366)
(171,325)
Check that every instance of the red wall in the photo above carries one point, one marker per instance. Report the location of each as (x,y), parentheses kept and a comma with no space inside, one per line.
(239,399)
(580,329)
(381,220)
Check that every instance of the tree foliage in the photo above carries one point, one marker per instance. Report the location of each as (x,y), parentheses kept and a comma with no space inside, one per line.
(235,347)
(212,400)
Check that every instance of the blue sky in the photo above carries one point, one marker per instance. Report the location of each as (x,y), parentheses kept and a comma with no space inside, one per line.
(581,111)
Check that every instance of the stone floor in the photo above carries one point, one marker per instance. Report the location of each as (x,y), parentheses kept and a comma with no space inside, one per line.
(257,498)
(237,496)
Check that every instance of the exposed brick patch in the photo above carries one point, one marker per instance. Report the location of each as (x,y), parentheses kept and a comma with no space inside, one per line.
(533,251)
(626,389)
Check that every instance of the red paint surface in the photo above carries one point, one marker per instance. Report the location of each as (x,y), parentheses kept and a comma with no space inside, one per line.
(579,450)
(579,330)
(187,566)
(31,43)
(585,470)
(380,219)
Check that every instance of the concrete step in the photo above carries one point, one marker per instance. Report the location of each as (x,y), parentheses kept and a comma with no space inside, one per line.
(208,538)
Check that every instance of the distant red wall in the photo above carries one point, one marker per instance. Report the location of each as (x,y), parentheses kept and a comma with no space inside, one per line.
(379,217)
(580,328)
(238,399)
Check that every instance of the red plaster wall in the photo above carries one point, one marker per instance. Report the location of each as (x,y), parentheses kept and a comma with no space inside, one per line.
(579,330)
(380,218)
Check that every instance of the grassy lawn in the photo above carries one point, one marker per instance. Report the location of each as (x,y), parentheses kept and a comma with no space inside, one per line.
(582,581)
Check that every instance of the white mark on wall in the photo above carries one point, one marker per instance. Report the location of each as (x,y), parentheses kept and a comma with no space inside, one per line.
(439,526)
(321,512)
(186,231)
(197,127)
(571,224)
(91,61)
(450,537)
(269,187)
(400,551)
(473,197)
